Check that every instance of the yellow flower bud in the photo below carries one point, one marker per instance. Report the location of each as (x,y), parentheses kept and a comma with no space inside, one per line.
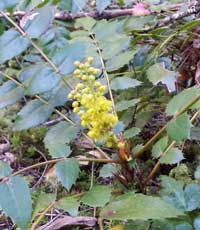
(77,63)
(76,110)
(75,104)
(90,60)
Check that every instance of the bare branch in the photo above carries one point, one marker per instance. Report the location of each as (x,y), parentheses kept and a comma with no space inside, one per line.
(68,220)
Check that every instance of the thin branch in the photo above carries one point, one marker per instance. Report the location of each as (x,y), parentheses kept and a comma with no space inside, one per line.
(105,73)
(24,34)
(155,168)
(114,13)
(54,161)
(159,133)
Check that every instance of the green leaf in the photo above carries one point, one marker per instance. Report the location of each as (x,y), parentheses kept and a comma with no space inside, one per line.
(68,204)
(10,93)
(159,147)
(129,133)
(67,172)
(125,104)
(179,101)
(171,224)
(98,196)
(121,83)
(158,73)
(57,138)
(190,25)
(77,5)
(4,4)
(197,223)
(32,114)
(42,202)
(87,23)
(192,196)
(172,192)
(179,128)
(114,46)
(39,79)
(54,39)
(58,95)
(11,45)
(5,169)
(139,23)
(36,23)
(15,201)
(138,207)
(102,4)
(120,60)
(173,156)
(64,58)
(108,170)
(197,172)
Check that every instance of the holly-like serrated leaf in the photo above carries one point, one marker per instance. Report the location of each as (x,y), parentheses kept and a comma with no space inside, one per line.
(87,23)
(68,204)
(67,172)
(159,147)
(121,83)
(158,73)
(125,104)
(58,137)
(15,201)
(10,93)
(64,58)
(138,207)
(5,169)
(173,156)
(120,60)
(179,101)
(179,128)
(4,4)
(11,45)
(77,5)
(32,114)
(98,196)
(192,196)
(42,202)
(172,192)
(112,47)
(187,199)
(58,95)
(197,173)
(37,22)
(129,133)
(102,4)
(108,170)
(39,79)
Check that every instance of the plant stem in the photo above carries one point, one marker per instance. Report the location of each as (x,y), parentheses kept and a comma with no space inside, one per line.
(54,161)
(155,168)
(59,113)
(24,34)
(41,216)
(158,134)
(105,73)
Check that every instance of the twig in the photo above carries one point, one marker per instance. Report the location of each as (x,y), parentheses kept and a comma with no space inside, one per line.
(113,13)
(155,168)
(105,73)
(54,161)
(44,171)
(34,225)
(68,220)
(158,134)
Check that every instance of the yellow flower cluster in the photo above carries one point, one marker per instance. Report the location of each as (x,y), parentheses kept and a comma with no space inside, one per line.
(94,109)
